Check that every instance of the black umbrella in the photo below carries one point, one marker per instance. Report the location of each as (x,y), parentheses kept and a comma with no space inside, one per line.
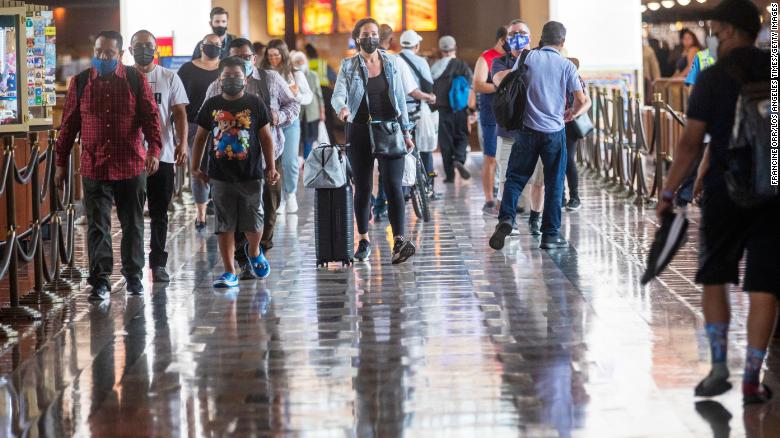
(668,240)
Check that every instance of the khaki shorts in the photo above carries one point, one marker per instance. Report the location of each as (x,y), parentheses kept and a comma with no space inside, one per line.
(502,162)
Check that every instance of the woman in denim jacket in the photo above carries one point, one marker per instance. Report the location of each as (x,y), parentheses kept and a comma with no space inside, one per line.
(388,102)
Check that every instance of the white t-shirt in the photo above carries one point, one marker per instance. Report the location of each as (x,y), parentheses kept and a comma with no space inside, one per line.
(167,90)
(407,77)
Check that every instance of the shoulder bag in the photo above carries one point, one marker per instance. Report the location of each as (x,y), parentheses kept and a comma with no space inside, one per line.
(387,140)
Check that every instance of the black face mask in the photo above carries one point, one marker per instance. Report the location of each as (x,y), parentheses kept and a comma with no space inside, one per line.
(211,50)
(369,45)
(143,55)
(232,86)
(219,30)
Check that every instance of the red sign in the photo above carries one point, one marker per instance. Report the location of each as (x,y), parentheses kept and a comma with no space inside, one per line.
(164,47)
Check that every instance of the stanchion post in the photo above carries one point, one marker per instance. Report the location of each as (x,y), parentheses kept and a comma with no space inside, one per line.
(57,283)
(658,104)
(15,311)
(71,272)
(39,295)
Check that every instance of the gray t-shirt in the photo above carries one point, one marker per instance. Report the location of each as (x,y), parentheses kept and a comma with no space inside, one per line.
(550,78)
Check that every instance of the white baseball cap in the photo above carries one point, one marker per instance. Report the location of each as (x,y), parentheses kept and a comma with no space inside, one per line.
(410,38)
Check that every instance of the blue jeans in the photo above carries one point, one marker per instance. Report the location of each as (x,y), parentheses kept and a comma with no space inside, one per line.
(290,170)
(529,146)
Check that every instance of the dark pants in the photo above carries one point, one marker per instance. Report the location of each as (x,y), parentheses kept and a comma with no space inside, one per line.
(272,196)
(529,146)
(159,191)
(129,196)
(330,113)
(572,176)
(453,139)
(392,172)
(427,159)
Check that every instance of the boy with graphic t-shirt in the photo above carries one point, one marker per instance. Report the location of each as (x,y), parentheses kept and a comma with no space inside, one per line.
(240,149)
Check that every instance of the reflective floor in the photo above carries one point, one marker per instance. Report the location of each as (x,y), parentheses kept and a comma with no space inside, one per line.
(460,341)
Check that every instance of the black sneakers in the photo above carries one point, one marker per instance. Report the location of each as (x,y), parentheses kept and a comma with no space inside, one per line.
(100,292)
(535,225)
(553,242)
(134,286)
(160,275)
(363,251)
(402,250)
(573,204)
(464,173)
(503,229)
(246,272)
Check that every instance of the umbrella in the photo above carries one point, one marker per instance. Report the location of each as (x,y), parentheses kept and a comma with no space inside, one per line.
(668,240)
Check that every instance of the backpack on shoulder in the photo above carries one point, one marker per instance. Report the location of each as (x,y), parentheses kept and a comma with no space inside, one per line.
(748,176)
(459,93)
(452,88)
(511,98)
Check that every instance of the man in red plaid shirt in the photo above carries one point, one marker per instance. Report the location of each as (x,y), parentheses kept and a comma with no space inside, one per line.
(111,108)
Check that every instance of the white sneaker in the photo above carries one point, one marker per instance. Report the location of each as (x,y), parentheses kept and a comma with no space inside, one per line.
(280,210)
(292,204)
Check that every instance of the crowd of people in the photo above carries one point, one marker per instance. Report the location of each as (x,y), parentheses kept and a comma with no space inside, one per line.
(240,114)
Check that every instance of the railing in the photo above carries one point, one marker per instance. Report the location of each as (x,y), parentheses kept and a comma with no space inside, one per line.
(618,151)
(50,273)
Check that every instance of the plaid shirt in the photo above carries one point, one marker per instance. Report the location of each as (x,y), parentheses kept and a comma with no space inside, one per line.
(110,118)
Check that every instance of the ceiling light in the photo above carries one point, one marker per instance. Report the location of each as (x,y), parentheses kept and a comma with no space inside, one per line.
(684,2)
(769,8)
(702,1)
(642,8)
(668,3)
(654,6)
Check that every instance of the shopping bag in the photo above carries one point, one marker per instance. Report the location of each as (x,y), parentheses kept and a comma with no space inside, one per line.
(322,134)
(427,131)
(410,170)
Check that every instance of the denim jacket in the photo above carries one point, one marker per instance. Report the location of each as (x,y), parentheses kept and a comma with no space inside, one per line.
(350,88)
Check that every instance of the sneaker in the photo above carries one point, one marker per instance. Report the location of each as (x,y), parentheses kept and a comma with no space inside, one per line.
(292,204)
(134,286)
(573,204)
(503,229)
(554,242)
(260,265)
(160,275)
(755,397)
(402,250)
(226,280)
(535,225)
(515,232)
(464,173)
(363,251)
(200,226)
(712,386)
(100,292)
(449,180)
(246,272)
(280,210)
(490,209)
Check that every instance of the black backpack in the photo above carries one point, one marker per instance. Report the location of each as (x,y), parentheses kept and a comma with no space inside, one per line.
(749,176)
(511,97)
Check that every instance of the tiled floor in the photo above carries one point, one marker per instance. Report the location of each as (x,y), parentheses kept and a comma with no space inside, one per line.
(460,341)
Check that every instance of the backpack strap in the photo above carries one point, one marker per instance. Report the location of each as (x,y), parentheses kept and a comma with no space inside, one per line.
(132,78)
(423,82)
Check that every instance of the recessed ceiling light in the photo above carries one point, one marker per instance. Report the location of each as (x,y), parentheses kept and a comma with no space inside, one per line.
(642,8)
(702,1)
(684,2)
(668,3)
(654,6)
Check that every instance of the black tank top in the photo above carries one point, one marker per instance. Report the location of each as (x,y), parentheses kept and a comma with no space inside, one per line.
(379,97)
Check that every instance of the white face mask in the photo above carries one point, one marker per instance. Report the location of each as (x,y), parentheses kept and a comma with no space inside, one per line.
(303,67)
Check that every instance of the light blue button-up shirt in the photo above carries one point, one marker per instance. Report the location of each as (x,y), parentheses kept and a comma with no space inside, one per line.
(350,89)
(550,78)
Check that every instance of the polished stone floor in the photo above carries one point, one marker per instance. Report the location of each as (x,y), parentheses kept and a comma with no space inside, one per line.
(460,341)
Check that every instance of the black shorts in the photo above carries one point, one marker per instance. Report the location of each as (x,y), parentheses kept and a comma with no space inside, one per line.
(727,232)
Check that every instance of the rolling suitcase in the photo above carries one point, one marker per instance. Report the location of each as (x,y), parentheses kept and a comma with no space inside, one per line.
(334,226)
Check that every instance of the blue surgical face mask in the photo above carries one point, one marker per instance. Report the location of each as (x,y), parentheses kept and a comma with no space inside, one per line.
(105,67)
(518,42)
(248,68)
